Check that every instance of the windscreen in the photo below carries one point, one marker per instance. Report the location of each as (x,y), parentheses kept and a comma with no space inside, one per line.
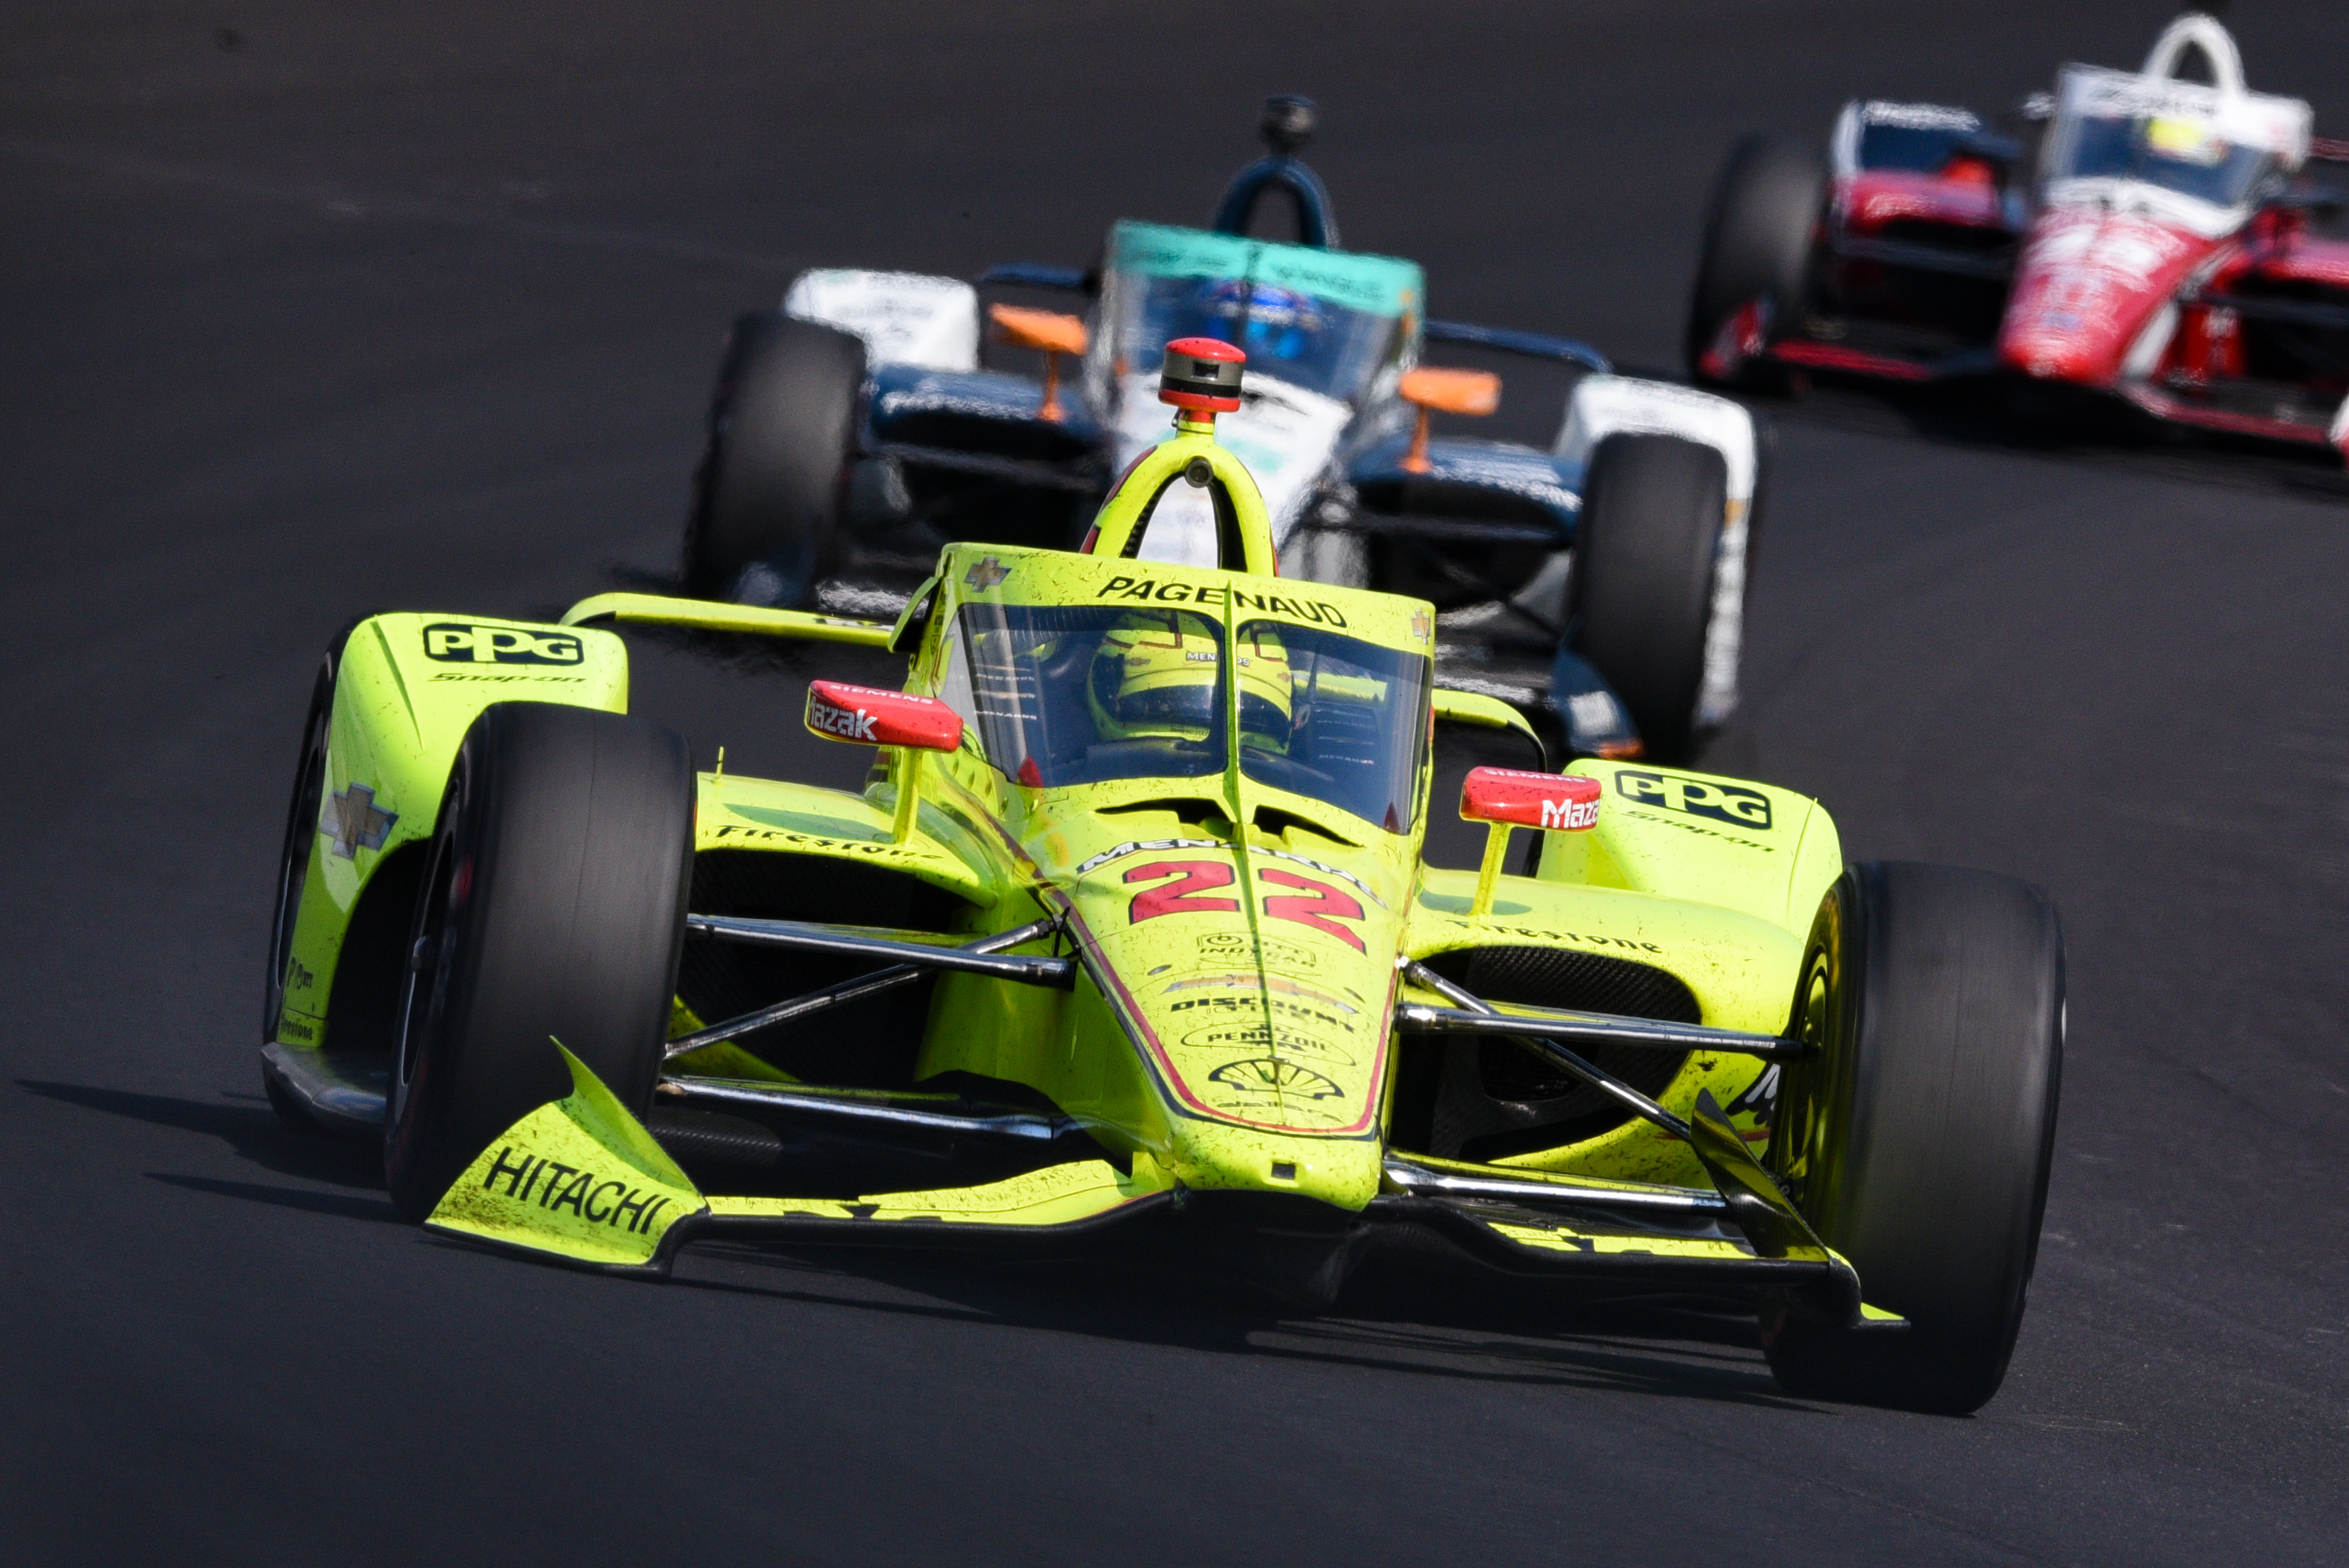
(2183,152)
(1325,321)
(1355,725)
(1079,694)
(1918,150)
(1286,333)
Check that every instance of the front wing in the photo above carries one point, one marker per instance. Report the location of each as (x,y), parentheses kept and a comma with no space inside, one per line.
(580,1181)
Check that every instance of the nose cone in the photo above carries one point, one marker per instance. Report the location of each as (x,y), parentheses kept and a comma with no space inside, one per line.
(1265,1030)
(2087,281)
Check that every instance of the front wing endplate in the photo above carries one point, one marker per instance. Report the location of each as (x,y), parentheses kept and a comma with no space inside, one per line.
(578,1179)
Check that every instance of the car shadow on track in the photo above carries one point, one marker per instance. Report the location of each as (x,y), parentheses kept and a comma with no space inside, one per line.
(252,1131)
(1453,1325)
(2091,433)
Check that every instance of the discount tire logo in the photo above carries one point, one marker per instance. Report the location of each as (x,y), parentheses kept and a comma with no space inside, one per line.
(462,642)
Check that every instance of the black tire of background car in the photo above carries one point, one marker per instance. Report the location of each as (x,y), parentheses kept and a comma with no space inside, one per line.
(293,864)
(554,909)
(1760,229)
(1642,594)
(774,470)
(1918,1142)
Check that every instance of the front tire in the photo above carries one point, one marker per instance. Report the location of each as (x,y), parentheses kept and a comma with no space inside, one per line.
(554,909)
(1917,1141)
(1759,231)
(769,489)
(1639,602)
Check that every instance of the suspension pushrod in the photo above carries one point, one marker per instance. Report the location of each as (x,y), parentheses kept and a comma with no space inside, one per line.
(844,991)
(858,942)
(1549,1049)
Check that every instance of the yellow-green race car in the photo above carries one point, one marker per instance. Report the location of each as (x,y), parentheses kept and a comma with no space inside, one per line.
(1130,932)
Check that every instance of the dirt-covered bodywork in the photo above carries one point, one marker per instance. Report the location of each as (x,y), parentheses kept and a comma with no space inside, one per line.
(1130,927)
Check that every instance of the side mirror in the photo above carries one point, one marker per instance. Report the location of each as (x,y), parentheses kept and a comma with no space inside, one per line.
(1471,392)
(1049,332)
(869,716)
(1508,797)
(1561,802)
(900,720)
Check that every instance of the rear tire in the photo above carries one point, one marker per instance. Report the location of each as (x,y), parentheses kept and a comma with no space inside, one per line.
(1917,1141)
(554,909)
(1641,600)
(1759,232)
(769,489)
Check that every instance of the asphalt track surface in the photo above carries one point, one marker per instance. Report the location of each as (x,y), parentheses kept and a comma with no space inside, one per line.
(311,308)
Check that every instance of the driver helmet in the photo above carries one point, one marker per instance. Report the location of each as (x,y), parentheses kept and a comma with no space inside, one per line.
(1273,323)
(1155,678)
(2185,139)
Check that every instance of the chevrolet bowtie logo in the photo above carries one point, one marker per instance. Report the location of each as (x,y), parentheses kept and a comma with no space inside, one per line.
(352,821)
(986,574)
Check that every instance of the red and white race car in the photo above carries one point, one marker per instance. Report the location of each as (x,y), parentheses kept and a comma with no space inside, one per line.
(2154,245)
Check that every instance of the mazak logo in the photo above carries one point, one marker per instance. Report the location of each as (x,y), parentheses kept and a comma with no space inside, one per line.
(848,723)
(459,642)
(1747,809)
(1573,816)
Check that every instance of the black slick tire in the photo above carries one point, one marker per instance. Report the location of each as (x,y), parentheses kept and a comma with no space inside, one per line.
(769,488)
(552,909)
(1640,598)
(1917,1141)
(1759,231)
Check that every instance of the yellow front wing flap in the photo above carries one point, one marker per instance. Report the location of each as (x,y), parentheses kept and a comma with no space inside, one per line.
(1057,1195)
(582,1180)
(579,1178)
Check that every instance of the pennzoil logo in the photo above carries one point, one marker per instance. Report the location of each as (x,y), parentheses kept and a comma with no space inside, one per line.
(1265,1074)
(1747,809)
(462,642)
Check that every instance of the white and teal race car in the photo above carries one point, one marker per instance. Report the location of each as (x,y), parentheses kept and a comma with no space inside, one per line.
(1597,584)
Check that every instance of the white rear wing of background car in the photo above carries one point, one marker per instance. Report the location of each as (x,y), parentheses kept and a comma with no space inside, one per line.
(904,318)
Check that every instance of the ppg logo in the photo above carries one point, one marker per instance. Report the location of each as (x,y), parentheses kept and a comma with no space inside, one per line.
(1747,809)
(459,642)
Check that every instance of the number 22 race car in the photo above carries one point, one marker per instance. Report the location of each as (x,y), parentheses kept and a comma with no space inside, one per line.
(2160,257)
(1130,935)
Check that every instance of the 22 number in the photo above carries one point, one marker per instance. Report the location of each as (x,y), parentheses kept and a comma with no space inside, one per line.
(1316,912)
(1322,910)
(1183,897)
